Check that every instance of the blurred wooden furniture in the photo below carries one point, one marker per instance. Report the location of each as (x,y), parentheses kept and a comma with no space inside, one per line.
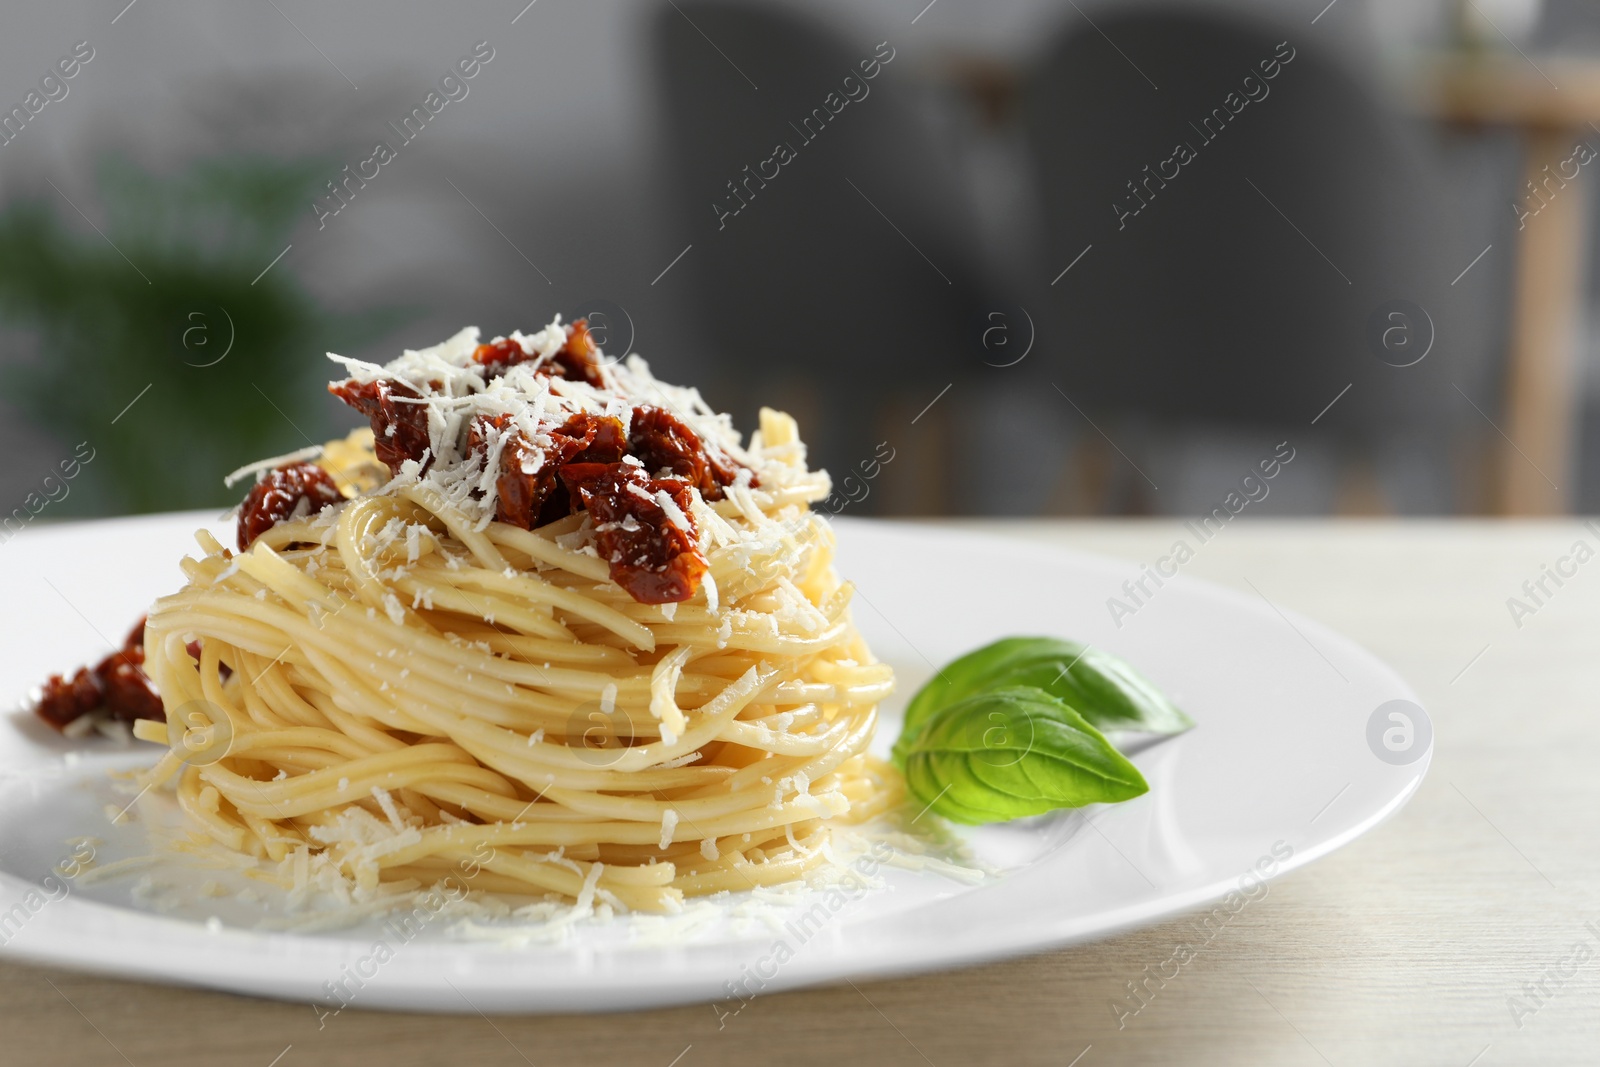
(1402,948)
(1554,104)
(1234,299)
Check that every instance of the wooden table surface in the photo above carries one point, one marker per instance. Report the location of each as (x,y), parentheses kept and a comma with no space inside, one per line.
(1405,947)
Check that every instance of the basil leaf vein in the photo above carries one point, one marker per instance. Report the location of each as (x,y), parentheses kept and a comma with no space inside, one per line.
(1013,752)
(1101,687)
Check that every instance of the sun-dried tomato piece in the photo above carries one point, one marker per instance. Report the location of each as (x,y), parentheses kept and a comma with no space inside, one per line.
(578,359)
(399,429)
(134,642)
(63,701)
(605,439)
(129,693)
(523,485)
(526,486)
(279,493)
(656,560)
(524,482)
(664,443)
(118,684)
(496,356)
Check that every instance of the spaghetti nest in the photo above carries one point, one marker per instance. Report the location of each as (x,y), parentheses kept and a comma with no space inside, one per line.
(398,693)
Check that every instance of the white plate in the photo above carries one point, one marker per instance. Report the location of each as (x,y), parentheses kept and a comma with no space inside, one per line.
(1279,772)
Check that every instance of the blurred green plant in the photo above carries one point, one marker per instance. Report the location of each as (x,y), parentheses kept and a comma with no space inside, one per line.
(172,297)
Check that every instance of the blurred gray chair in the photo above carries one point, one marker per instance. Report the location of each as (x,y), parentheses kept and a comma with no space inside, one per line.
(1240,289)
(841,285)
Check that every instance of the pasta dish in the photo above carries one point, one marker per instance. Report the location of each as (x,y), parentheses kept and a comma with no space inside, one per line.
(549,619)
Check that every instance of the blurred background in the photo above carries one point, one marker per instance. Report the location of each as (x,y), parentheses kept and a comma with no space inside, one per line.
(1017,257)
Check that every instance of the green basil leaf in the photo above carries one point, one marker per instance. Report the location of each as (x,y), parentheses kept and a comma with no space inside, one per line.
(1013,752)
(1104,689)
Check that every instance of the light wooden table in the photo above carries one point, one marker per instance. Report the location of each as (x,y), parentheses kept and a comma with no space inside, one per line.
(1402,948)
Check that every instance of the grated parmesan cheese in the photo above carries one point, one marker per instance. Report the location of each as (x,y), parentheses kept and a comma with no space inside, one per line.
(386,802)
(262,465)
(393,609)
